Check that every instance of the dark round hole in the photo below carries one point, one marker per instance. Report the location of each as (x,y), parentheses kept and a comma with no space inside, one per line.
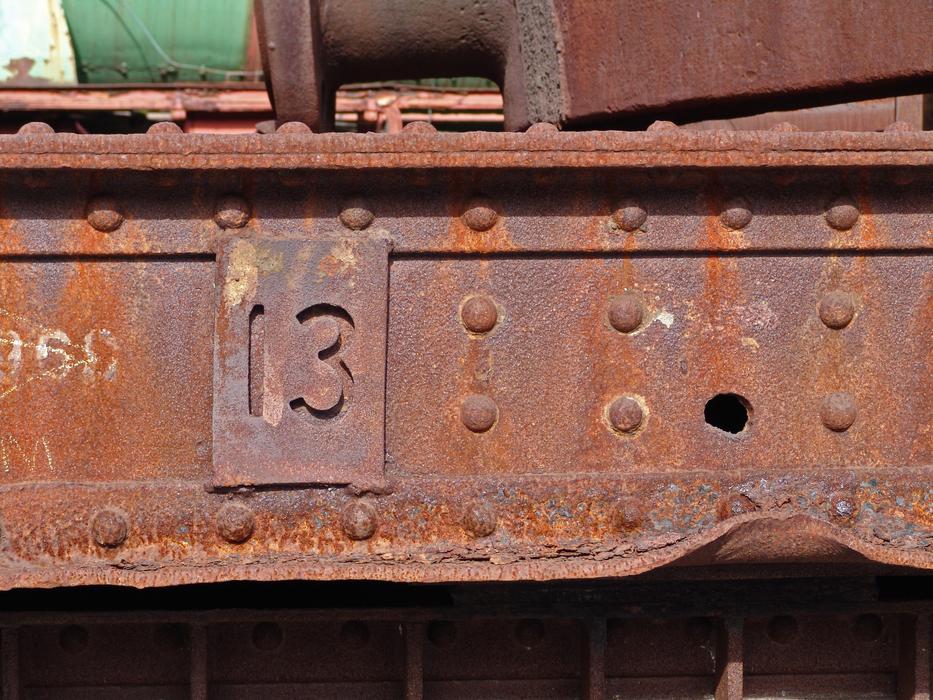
(728,412)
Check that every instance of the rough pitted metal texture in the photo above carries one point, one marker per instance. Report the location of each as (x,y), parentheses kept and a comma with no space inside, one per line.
(598,354)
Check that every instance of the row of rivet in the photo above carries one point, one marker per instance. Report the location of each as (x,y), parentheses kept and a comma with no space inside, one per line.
(233,211)
(359,520)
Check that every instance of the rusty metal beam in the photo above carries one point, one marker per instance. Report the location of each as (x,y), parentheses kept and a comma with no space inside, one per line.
(600,354)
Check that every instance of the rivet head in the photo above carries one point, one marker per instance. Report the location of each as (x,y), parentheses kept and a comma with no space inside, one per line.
(734,504)
(542,128)
(479,519)
(837,310)
(899,126)
(626,414)
(419,127)
(785,127)
(109,527)
(35,129)
(356,215)
(235,522)
(661,125)
(479,314)
(842,214)
(737,214)
(629,217)
(843,506)
(359,520)
(232,212)
(293,128)
(838,411)
(102,213)
(628,515)
(783,629)
(164,128)
(478,412)
(625,312)
(480,217)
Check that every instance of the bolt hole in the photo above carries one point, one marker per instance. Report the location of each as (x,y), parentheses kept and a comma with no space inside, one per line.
(728,412)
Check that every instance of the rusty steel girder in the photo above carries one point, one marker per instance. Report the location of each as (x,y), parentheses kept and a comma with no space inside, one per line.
(440,357)
(621,62)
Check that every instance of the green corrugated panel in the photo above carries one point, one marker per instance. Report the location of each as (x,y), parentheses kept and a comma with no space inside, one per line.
(112,46)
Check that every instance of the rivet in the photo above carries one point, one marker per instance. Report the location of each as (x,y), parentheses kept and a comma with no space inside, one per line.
(479,519)
(478,412)
(164,128)
(356,215)
(785,127)
(625,312)
(661,125)
(480,217)
(267,636)
(293,128)
(479,314)
(736,214)
(442,633)
(232,212)
(626,414)
(529,632)
(359,520)
(868,627)
(235,522)
(842,214)
(836,309)
(899,126)
(35,129)
(735,504)
(838,411)
(782,629)
(73,639)
(629,217)
(102,213)
(542,129)
(419,127)
(354,634)
(629,515)
(109,527)
(843,506)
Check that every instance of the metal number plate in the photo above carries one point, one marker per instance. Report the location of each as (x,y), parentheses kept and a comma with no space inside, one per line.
(299,361)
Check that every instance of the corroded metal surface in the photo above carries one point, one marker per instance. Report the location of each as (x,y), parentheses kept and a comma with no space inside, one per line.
(604,354)
(580,63)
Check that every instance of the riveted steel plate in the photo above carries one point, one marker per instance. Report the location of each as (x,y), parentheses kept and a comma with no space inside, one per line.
(299,361)
(462,357)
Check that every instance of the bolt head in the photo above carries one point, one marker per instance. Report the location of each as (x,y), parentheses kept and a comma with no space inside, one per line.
(235,522)
(356,216)
(542,129)
(662,125)
(102,213)
(359,520)
(479,519)
(478,412)
(109,527)
(232,212)
(629,217)
(733,505)
(625,312)
(842,214)
(837,310)
(737,214)
(480,217)
(479,314)
(626,414)
(838,411)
